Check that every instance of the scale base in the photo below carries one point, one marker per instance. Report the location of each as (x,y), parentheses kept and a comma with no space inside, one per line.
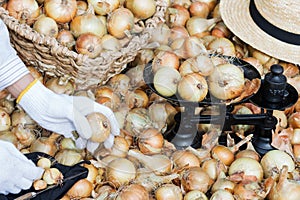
(262,145)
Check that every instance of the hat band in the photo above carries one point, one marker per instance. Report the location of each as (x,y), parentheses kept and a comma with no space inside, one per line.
(272,30)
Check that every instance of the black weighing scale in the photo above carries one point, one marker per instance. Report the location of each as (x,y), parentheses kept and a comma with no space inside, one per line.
(274,93)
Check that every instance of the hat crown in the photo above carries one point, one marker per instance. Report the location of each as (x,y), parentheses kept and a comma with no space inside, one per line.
(284,14)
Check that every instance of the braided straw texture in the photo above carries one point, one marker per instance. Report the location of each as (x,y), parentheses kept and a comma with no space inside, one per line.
(53,59)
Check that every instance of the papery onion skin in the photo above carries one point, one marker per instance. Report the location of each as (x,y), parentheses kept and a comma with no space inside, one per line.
(195,195)
(120,21)
(26,11)
(224,154)
(104,7)
(5,120)
(66,38)
(222,194)
(150,141)
(184,158)
(62,11)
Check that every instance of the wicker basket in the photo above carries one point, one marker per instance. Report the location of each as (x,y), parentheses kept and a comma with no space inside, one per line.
(53,59)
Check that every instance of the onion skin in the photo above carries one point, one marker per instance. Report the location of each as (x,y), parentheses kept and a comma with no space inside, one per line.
(62,11)
(5,120)
(168,192)
(223,154)
(82,188)
(46,26)
(184,158)
(141,9)
(150,141)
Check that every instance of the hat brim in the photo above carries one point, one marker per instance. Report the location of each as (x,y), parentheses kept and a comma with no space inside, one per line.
(236,17)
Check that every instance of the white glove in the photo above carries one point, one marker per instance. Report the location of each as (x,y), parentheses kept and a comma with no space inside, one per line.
(63,114)
(17,172)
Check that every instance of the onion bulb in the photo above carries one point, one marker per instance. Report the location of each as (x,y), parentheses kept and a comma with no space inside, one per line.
(39,184)
(150,141)
(110,43)
(46,26)
(82,188)
(177,15)
(165,81)
(60,86)
(161,34)
(45,145)
(192,87)
(44,163)
(120,171)
(66,38)
(168,191)
(141,9)
(199,8)
(222,194)
(198,26)
(100,126)
(165,59)
(85,23)
(273,161)
(223,183)
(133,192)
(222,153)
(195,195)
(248,166)
(195,178)
(104,7)
(26,11)
(52,176)
(184,158)
(89,44)
(294,120)
(178,32)
(213,167)
(68,157)
(222,46)
(62,11)
(120,21)
(226,81)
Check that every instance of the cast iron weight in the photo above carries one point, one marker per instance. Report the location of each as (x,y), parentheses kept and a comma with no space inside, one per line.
(274,94)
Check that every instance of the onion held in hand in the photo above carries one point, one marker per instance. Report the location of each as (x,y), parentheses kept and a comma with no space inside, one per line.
(100,126)
(226,81)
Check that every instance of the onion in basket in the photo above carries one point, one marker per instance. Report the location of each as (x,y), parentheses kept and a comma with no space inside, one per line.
(62,11)
(26,11)
(226,81)
(89,44)
(46,25)
(100,126)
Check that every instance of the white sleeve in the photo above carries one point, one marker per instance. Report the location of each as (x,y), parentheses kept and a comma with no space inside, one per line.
(12,67)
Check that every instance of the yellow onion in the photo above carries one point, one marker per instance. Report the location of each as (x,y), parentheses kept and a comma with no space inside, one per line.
(222,46)
(120,21)
(60,86)
(168,191)
(52,176)
(165,59)
(120,171)
(66,38)
(100,126)
(137,99)
(165,81)
(44,163)
(25,135)
(82,188)
(195,178)
(26,11)
(150,141)
(213,167)
(68,157)
(184,158)
(104,7)
(178,32)
(92,172)
(88,22)
(161,34)
(195,195)
(226,81)
(120,84)
(273,161)
(199,27)
(88,44)
(192,87)
(62,11)
(177,15)
(294,120)
(199,8)
(110,43)
(120,147)
(224,154)
(141,9)
(248,166)
(39,184)
(137,120)
(19,116)
(45,145)
(133,192)
(222,194)
(223,183)
(46,26)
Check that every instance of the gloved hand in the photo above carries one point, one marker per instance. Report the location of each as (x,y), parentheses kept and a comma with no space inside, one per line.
(17,172)
(63,114)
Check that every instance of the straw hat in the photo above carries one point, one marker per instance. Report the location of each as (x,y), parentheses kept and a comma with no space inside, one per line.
(270,26)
